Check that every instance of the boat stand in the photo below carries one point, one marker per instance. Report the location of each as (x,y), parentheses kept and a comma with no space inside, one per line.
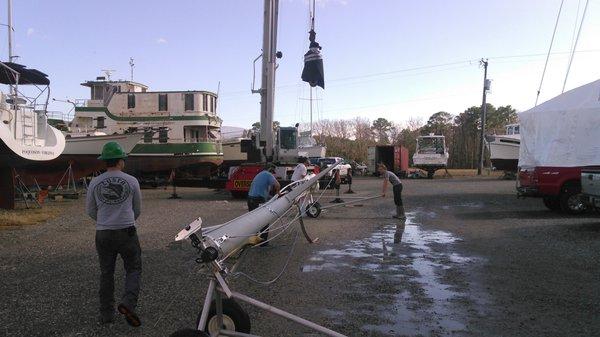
(71,191)
(218,288)
(23,191)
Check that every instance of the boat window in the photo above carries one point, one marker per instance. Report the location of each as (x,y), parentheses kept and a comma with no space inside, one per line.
(163,135)
(287,139)
(204,102)
(431,145)
(162,102)
(214,104)
(97,92)
(517,130)
(100,122)
(130,101)
(189,102)
(148,136)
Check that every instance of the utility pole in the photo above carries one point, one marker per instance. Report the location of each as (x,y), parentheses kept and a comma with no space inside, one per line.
(486,87)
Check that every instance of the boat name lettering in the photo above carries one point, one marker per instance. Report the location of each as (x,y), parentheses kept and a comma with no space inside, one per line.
(44,152)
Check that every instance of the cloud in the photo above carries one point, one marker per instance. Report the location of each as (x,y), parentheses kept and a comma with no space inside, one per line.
(161,40)
(30,31)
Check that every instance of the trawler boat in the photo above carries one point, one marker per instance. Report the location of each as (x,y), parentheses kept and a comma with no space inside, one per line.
(181,129)
(504,149)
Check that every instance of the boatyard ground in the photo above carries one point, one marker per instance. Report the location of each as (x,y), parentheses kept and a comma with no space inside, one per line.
(473,260)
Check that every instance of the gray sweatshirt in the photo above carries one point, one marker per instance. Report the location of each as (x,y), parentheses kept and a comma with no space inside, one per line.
(114,200)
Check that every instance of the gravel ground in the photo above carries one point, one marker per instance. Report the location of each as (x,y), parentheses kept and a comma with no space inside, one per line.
(470,260)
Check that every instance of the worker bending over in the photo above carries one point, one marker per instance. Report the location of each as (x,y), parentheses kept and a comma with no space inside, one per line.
(114,201)
(390,177)
(260,191)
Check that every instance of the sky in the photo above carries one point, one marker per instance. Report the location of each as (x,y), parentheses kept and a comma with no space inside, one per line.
(396,59)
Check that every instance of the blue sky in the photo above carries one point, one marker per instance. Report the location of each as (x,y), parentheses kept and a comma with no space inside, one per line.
(367,47)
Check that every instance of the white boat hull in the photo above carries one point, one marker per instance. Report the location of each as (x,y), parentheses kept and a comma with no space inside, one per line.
(92,145)
(504,151)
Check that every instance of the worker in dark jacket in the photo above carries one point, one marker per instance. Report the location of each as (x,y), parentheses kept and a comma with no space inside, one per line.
(114,202)
(390,178)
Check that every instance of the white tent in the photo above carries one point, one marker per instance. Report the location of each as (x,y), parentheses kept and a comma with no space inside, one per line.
(564,131)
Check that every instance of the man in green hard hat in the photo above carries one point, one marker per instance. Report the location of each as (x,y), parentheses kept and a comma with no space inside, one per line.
(114,202)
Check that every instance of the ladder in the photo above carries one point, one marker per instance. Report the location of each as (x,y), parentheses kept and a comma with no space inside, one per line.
(28,122)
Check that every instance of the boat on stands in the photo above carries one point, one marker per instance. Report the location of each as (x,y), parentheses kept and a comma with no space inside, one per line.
(79,158)
(504,149)
(181,129)
(26,138)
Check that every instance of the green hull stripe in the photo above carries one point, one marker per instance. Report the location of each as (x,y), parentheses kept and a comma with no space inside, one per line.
(170,148)
(146,118)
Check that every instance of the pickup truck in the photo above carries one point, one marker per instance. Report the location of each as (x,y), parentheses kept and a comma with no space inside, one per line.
(327,161)
(559,187)
(590,186)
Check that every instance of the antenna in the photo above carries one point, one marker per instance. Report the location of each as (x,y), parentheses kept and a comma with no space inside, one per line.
(108,72)
(131,65)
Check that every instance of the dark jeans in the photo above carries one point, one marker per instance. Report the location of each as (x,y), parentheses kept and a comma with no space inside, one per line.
(109,244)
(253,203)
(398,194)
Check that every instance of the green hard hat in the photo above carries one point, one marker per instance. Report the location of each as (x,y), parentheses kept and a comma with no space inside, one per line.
(112,150)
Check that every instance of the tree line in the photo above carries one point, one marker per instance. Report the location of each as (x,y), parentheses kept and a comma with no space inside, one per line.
(351,138)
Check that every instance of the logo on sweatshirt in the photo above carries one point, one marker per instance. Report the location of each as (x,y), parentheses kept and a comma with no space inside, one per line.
(113,190)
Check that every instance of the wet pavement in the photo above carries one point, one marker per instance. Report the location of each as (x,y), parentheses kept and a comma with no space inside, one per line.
(415,259)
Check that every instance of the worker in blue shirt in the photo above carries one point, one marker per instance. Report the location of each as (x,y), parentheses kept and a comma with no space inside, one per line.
(260,191)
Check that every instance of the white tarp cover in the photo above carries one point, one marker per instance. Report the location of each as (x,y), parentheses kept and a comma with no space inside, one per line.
(564,131)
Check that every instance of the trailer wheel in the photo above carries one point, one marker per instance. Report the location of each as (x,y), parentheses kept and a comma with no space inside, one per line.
(313,210)
(571,200)
(234,318)
(552,203)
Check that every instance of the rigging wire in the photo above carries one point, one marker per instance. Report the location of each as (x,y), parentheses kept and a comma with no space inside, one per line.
(587,2)
(549,50)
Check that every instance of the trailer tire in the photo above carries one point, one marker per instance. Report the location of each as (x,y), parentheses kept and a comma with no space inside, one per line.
(234,318)
(552,203)
(571,201)
(313,210)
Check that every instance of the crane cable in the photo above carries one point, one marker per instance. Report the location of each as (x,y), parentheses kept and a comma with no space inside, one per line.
(549,50)
(575,45)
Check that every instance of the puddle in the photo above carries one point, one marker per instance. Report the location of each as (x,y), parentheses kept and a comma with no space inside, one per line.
(414,261)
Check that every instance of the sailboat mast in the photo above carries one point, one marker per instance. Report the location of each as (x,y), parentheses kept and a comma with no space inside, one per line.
(10,42)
